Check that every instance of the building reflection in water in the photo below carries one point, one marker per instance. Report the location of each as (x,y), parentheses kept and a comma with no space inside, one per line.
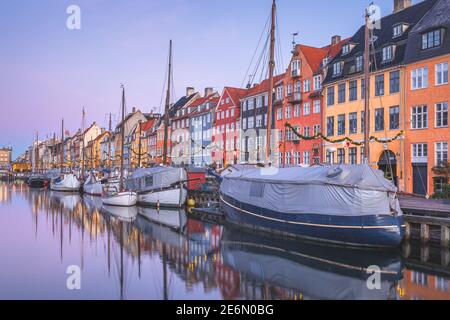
(223,261)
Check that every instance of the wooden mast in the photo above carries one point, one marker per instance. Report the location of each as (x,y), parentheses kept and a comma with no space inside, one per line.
(109,142)
(37,152)
(62,145)
(167,107)
(122,138)
(82,150)
(367,89)
(271,82)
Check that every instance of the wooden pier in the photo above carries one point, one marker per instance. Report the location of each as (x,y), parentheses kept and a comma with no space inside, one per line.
(426,220)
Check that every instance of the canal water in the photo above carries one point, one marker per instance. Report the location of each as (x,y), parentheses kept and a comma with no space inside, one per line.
(47,239)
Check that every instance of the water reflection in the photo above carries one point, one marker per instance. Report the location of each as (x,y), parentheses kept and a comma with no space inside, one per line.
(144,253)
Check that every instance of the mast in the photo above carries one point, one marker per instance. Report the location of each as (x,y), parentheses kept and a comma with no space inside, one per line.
(367,89)
(271,84)
(37,152)
(82,150)
(109,141)
(62,144)
(140,143)
(122,138)
(166,111)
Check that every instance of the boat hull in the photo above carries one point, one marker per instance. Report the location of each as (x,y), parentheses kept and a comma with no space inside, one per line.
(121,199)
(37,183)
(174,198)
(368,231)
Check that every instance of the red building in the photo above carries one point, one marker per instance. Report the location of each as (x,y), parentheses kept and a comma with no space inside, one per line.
(226,127)
(302,103)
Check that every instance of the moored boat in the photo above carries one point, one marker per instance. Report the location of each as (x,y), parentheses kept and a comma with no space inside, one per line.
(348,204)
(159,186)
(92,186)
(37,181)
(66,182)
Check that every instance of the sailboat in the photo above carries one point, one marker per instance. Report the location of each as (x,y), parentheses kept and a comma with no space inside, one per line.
(353,205)
(161,186)
(92,185)
(67,182)
(113,194)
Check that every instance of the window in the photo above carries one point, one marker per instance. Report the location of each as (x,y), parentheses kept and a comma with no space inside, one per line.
(419,150)
(296,157)
(280,158)
(345,49)
(306,131)
(442,115)
(295,68)
(441,153)
(289,89)
(419,78)
(341,155)
(288,158)
(316,129)
(251,121)
(442,73)
(297,86)
(388,53)
(379,119)
(317,82)
(359,63)
(419,117)
(250,106)
(306,159)
(227,114)
(232,112)
(341,124)
(431,39)
(259,102)
(306,85)
(330,126)
(337,68)
(280,114)
(353,122)
(379,85)
(394,82)
(306,109)
(341,93)
(259,121)
(330,96)
(316,108)
(398,31)
(439,183)
(297,111)
(394,117)
(353,90)
(352,155)
(279,93)
(288,112)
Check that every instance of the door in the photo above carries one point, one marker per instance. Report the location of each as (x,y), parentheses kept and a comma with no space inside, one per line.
(420,179)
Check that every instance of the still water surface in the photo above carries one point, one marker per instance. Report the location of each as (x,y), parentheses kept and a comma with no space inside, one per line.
(142,253)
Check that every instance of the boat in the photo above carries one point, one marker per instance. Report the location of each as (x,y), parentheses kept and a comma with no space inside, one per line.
(92,185)
(115,194)
(175,219)
(159,186)
(37,181)
(67,182)
(311,271)
(348,204)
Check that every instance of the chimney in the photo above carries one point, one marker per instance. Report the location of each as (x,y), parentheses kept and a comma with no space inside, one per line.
(399,5)
(190,91)
(133,110)
(335,40)
(208,91)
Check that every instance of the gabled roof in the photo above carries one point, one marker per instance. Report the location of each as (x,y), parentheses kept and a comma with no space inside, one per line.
(235,95)
(145,126)
(181,103)
(262,87)
(383,37)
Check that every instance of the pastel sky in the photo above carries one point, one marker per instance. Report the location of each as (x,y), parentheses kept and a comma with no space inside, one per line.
(48,71)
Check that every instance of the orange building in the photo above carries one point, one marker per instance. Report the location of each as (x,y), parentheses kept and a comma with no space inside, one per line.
(427,98)
(418,285)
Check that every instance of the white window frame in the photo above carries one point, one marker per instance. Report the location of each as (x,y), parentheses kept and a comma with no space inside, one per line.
(307,85)
(441,108)
(316,106)
(419,74)
(317,85)
(441,69)
(415,114)
(306,109)
(441,149)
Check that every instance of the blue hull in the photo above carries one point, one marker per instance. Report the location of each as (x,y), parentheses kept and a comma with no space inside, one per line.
(371,231)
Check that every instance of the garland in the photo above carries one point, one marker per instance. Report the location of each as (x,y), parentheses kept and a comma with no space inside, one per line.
(321,136)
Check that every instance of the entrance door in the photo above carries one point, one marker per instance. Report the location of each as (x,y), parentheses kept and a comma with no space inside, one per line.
(388,164)
(420,178)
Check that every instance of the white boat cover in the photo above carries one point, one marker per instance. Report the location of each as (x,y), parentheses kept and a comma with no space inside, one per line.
(344,190)
(148,179)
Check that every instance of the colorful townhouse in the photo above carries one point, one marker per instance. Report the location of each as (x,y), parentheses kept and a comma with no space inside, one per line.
(254,120)
(139,143)
(427,96)
(344,89)
(302,103)
(180,127)
(107,150)
(201,124)
(226,127)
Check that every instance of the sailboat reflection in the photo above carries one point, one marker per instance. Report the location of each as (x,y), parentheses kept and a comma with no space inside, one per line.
(127,214)
(315,272)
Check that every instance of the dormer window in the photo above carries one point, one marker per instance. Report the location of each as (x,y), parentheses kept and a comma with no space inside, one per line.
(388,53)
(325,62)
(432,39)
(359,63)
(346,49)
(337,68)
